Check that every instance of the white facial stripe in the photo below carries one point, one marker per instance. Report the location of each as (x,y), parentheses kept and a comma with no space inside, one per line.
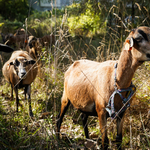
(20,58)
(14,71)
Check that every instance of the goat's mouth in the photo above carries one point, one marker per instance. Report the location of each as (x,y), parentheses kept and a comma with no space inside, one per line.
(148,55)
(22,77)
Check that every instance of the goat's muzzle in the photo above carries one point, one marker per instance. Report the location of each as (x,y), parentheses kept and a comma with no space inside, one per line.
(22,73)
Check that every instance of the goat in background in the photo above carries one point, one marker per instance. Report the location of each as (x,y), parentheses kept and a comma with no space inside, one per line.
(20,71)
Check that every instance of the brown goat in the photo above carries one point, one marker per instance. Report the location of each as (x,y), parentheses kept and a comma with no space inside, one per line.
(33,47)
(17,41)
(20,72)
(88,85)
(47,40)
(20,31)
(5,37)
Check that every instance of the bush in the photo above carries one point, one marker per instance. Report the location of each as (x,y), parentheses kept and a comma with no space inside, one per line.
(12,10)
(41,23)
(10,26)
(87,23)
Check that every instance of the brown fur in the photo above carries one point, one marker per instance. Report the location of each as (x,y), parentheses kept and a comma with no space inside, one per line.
(11,76)
(33,47)
(35,44)
(18,41)
(88,84)
(47,40)
(20,31)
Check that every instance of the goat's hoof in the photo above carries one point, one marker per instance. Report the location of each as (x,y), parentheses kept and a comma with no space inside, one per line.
(31,114)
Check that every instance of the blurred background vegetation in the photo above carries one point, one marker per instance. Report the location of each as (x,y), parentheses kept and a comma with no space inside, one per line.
(92,29)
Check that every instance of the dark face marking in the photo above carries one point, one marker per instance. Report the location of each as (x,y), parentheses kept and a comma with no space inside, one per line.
(32,41)
(29,62)
(17,63)
(148,55)
(143,34)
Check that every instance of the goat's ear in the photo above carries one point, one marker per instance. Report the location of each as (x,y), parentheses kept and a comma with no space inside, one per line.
(6,48)
(129,44)
(26,41)
(9,64)
(32,61)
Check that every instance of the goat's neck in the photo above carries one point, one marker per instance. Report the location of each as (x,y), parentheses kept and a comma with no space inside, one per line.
(127,66)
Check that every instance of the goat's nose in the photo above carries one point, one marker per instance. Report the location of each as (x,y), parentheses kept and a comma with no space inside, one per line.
(22,73)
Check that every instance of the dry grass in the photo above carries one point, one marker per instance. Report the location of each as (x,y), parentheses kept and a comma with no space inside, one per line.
(19,131)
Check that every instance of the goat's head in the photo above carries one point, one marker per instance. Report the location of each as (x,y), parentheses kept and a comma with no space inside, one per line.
(9,39)
(33,47)
(21,66)
(138,42)
(32,41)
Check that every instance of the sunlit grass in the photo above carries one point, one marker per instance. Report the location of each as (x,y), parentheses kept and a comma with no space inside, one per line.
(19,131)
(39,132)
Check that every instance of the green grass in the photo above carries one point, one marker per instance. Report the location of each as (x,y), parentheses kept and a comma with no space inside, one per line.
(19,131)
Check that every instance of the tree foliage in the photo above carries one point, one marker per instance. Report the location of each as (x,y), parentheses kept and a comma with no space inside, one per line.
(14,9)
(88,21)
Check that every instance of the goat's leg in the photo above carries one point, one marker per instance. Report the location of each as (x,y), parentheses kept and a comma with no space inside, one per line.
(64,106)
(119,131)
(28,90)
(103,122)
(84,121)
(17,99)
(25,92)
(11,92)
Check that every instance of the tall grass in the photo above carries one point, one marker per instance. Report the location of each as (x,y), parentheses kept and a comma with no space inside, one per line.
(19,131)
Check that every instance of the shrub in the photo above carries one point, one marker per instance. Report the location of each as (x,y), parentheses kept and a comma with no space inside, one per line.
(16,9)
(10,26)
(87,23)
